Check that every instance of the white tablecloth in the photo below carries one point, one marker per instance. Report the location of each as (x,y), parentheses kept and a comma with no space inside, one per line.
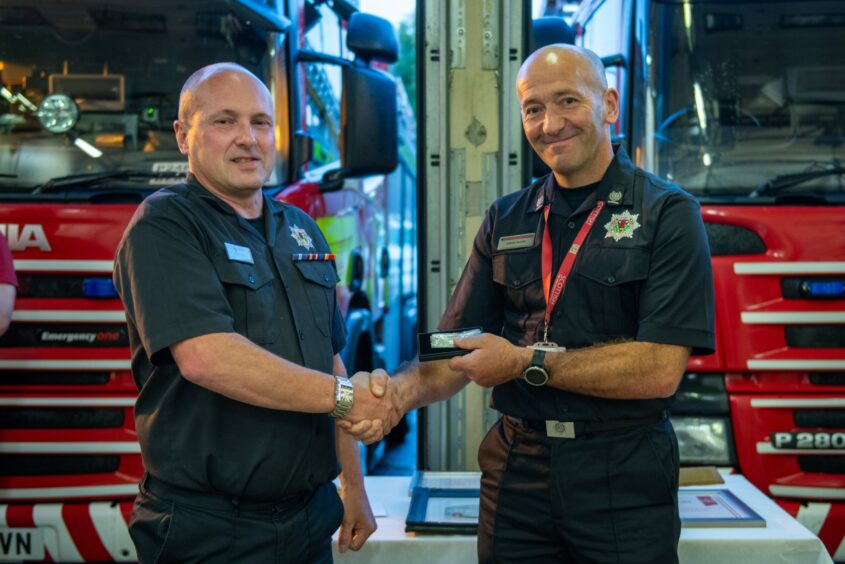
(783,540)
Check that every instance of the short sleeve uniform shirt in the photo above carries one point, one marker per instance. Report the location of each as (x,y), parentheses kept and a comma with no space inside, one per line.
(189,265)
(643,273)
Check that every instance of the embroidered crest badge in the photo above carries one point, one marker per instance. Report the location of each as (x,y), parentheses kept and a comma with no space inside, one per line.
(302,238)
(622,225)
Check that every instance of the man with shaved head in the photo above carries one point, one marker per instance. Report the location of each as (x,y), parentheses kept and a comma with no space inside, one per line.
(235,343)
(593,286)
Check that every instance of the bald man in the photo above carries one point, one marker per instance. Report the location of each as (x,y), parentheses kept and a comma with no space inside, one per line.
(235,344)
(593,286)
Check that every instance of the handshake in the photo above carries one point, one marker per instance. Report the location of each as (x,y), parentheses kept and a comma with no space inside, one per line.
(376,408)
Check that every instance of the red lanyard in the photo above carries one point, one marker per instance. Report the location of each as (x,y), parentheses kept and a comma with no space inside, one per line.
(553,293)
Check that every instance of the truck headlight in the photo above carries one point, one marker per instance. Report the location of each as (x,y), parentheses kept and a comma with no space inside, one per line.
(704,440)
(58,113)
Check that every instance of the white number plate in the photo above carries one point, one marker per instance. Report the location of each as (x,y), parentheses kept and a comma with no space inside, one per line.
(21,544)
(809,441)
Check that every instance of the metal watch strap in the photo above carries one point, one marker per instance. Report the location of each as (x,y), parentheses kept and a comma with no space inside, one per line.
(344,397)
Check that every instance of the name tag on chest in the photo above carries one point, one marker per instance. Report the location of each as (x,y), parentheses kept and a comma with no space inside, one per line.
(515,242)
(239,254)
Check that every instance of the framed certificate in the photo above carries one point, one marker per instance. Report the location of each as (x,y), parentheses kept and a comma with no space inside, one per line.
(715,508)
(445,511)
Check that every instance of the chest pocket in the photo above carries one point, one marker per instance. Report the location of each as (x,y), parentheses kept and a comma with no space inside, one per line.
(610,279)
(320,281)
(520,274)
(250,290)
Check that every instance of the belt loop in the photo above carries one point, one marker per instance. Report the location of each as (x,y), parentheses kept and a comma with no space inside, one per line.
(236,506)
(145,483)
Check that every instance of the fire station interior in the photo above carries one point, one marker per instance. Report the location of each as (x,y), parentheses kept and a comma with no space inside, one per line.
(741,103)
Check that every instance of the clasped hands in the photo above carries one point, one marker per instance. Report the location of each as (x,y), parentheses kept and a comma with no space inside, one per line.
(493,360)
(376,408)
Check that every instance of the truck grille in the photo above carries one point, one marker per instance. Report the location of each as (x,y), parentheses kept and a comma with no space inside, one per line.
(63,418)
(54,465)
(726,240)
(815,336)
(822,464)
(827,378)
(73,335)
(64,286)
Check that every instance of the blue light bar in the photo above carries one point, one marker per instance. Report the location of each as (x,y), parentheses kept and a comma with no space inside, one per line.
(98,288)
(824,288)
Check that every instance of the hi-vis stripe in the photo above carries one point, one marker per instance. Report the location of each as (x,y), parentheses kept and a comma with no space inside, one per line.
(813,516)
(61,544)
(69,315)
(789,267)
(112,530)
(73,364)
(74,541)
(85,492)
(86,447)
(788,317)
(64,265)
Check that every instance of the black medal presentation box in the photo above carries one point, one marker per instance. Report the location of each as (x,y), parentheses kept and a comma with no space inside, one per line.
(438,345)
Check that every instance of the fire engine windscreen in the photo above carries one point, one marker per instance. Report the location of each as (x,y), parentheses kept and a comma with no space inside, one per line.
(123,63)
(741,93)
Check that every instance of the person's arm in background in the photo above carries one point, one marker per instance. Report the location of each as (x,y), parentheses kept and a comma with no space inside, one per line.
(8,286)
(7,303)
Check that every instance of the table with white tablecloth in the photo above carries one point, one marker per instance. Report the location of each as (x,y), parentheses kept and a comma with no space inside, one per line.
(782,540)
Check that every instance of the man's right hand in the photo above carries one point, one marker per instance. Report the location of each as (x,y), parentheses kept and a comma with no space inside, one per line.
(376,409)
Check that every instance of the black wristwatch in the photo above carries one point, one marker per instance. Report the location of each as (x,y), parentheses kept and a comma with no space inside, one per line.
(536,374)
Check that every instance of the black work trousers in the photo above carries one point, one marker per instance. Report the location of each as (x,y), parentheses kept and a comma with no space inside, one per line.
(609,497)
(193,528)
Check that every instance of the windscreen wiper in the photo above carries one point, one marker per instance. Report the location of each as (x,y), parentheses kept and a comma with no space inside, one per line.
(90,179)
(788,180)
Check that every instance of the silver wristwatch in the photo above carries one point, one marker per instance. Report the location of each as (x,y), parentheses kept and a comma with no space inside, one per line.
(344,397)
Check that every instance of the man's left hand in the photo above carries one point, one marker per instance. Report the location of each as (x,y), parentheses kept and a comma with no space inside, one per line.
(358,521)
(493,360)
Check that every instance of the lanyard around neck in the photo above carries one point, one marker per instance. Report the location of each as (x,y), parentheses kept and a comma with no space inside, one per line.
(553,292)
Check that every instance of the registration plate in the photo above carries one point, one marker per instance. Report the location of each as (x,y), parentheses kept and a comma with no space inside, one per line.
(21,544)
(807,440)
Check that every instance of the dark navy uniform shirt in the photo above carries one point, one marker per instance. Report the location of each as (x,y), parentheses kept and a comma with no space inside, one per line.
(189,265)
(652,282)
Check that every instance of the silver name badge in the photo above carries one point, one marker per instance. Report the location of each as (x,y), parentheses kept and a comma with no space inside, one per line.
(515,242)
(239,254)
(560,429)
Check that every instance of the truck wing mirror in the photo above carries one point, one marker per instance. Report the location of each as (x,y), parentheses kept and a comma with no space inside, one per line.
(369,126)
(303,146)
(615,60)
(261,16)
(549,30)
(371,37)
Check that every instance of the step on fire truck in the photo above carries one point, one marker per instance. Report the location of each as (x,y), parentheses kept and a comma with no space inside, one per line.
(88,94)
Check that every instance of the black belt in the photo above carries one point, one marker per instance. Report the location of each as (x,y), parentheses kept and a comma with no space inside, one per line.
(572,429)
(220,501)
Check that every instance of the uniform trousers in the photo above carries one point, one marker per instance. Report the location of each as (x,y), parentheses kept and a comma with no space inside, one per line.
(173,525)
(605,497)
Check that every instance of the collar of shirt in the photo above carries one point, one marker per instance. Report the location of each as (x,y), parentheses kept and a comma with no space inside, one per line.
(615,188)
(197,190)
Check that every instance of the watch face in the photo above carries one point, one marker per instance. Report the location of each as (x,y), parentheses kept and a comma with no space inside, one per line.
(536,376)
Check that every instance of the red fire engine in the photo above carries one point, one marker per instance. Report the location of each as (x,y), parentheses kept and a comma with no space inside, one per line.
(742,103)
(88,93)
